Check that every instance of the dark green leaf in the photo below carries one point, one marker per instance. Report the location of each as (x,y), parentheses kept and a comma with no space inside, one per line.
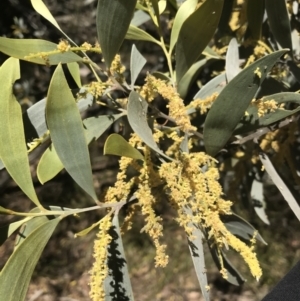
(255,15)
(280,23)
(116,145)
(67,132)
(189,77)
(253,121)
(194,36)
(117,284)
(137,118)
(231,104)
(184,11)
(17,272)
(113,19)
(240,227)
(13,150)
(233,275)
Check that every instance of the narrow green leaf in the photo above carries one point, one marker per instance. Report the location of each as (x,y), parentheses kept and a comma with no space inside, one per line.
(253,122)
(184,11)
(284,190)
(162,5)
(137,118)
(189,77)
(193,37)
(67,132)
(258,201)
(113,19)
(7,230)
(240,227)
(232,63)
(227,111)
(139,18)
(197,254)
(137,62)
(280,23)
(87,230)
(233,275)
(25,49)
(155,8)
(33,223)
(13,151)
(215,85)
(116,145)
(42,9)
(75,72)
(17,272)
(255,15)
(117,284)
(135,33)
(50,165)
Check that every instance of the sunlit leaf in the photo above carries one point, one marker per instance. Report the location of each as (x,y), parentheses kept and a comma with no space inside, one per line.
(162,5)
(232,63)
(117,284)
(113,19)
(13,150)
(17,272)
(137,118)
(137,62)
(193,38)
(284,190)
(135,33)
(279,22)
(26,48)
(116,145)
(231,104)
(184,11)
(42,9)
(67,134)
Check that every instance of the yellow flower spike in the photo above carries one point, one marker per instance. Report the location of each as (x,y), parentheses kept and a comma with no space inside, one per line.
(99,270)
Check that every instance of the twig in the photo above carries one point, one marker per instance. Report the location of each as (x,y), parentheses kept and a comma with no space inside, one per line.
(267,129)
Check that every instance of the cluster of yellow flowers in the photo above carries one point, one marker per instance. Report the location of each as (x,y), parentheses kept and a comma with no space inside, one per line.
(153,87)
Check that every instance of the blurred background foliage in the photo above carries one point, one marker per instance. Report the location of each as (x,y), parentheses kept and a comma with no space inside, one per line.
(62,271)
